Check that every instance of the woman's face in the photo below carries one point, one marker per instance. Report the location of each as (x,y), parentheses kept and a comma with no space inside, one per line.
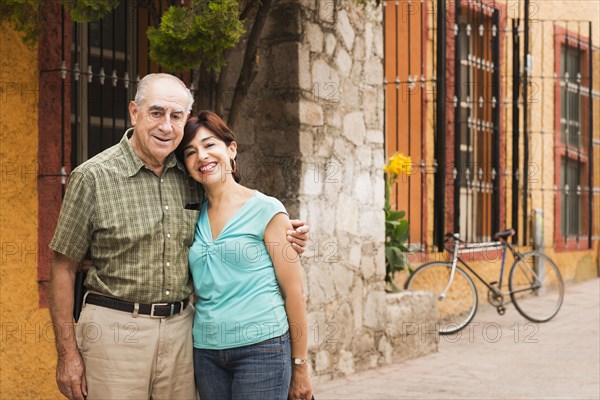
(208,158)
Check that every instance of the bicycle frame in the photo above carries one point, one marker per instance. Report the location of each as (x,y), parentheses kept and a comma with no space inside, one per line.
(503,244)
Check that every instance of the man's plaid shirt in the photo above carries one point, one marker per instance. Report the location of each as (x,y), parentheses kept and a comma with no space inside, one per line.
(134,224)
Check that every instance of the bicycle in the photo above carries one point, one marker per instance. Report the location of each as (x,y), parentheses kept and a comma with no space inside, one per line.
(535,285)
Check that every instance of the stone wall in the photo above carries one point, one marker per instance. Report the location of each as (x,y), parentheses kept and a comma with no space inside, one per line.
(341,194)
(312,132)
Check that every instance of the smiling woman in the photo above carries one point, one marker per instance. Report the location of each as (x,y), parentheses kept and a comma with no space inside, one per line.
(202,133)
(247,278)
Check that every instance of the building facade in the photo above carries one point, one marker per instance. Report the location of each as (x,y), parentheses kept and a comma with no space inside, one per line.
(338,89)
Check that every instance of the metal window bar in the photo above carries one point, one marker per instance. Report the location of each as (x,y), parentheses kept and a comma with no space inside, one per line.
(440,128)
(591,134)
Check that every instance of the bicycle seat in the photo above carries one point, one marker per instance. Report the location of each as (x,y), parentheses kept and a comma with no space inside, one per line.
(504,234)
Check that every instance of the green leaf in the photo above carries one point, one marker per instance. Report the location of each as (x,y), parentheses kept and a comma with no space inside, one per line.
(196,35)
(89,10)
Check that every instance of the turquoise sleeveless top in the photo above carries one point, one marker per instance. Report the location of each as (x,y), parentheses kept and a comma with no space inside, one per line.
(238,301)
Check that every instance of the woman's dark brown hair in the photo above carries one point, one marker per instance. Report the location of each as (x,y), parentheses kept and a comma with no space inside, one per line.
(214,124)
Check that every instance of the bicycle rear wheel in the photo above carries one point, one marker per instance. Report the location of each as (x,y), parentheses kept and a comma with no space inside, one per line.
(536,287)
(459,305)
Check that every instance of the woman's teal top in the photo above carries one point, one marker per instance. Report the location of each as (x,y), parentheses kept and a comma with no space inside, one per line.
(238,300)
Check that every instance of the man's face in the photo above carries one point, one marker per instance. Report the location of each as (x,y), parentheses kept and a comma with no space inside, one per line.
(159,121)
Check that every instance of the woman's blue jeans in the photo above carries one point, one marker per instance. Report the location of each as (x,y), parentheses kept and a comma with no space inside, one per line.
(258,371)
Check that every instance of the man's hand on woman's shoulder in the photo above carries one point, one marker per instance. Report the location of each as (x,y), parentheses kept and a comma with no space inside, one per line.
(299,236)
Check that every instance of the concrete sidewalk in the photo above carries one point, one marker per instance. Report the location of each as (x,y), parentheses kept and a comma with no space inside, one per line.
(497,357)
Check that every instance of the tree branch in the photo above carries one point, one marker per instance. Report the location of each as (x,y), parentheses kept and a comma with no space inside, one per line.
(248,71)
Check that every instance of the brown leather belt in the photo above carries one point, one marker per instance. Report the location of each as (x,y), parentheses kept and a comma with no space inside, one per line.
(156,310)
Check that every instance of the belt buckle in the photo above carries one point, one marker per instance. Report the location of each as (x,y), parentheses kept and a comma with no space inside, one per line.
(152,309)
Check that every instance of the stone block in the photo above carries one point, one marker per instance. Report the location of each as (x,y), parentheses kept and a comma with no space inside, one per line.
(320,285)
(316,321)
(379,260)
(323,144)
(310,113)
(358,53)
(386,350)
(374,312)
(363,155)
(346,363)
(350,95)
(375,136)
(374,72)
(306,142)
(334,117)
(312,182)
(345,29)
(343,279)
(354,127)
(368,40)
(378,41)
(287,71)
(372,223)
(323,361)
(340,331)
(357,305)
(304,79)
(354,255)
(347,215)
(325,81)
(356,74)
(343,61)
(363,343)
(314,36)
(330,44)
(411,324)
(370,105)
(285,22)
(327,12)
(362,187)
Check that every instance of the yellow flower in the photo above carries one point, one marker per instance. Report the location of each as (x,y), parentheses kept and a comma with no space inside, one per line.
(398,164)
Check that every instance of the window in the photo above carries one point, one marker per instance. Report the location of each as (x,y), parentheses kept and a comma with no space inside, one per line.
(107,58)
(572,140)
(474,168)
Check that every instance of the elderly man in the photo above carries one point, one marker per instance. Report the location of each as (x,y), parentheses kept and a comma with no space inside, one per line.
(132,208)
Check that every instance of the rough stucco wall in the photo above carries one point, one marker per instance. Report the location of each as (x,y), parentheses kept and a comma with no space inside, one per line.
(27,355)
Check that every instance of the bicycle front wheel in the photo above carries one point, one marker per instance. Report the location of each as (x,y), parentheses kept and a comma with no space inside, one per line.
(536,287)
(457,308)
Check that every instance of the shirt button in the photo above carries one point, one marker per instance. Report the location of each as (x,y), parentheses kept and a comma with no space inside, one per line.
(168,264)
(168,235)
(166,207)
(162,180)
(167,292)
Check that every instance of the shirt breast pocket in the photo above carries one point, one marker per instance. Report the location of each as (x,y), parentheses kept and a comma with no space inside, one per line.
(188,225)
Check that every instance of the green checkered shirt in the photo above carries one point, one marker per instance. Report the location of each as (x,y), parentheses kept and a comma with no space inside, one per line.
(133,223)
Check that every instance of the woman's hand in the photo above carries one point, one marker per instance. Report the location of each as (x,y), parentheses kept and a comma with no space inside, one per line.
(299,236)
(300,386)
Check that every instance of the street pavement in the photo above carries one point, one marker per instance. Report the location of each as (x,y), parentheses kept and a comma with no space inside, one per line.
(497,357)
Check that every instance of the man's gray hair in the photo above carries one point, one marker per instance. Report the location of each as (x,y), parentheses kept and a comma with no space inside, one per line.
(140,94)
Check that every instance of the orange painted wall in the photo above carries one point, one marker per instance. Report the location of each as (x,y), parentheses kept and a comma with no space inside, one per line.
(27,354)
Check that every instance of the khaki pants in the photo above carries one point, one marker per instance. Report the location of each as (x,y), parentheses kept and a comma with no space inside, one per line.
(136,358)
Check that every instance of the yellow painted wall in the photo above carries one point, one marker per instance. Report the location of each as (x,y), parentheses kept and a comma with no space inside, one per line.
(27,354)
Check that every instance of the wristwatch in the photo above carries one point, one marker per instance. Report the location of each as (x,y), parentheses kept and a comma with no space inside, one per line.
(299,361)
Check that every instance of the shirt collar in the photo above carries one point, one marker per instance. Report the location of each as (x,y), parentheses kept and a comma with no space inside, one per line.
(134,163)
